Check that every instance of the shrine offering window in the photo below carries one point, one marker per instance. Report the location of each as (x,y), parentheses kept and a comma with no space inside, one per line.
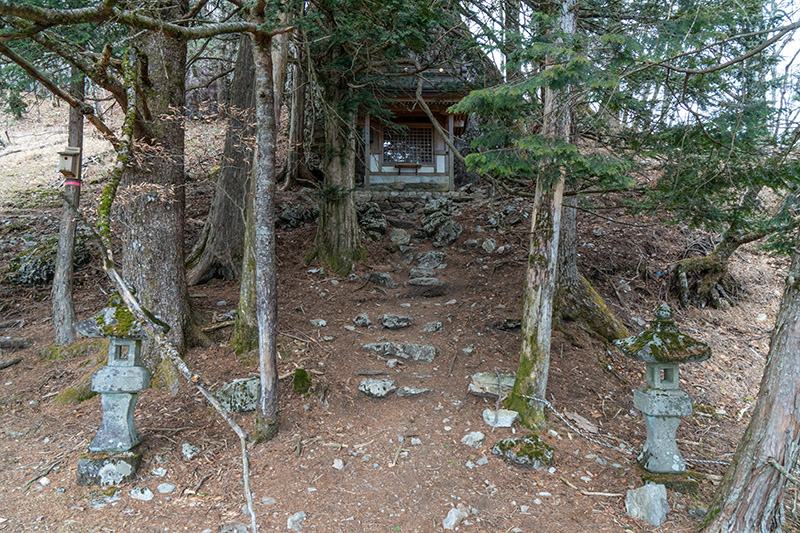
(410,144)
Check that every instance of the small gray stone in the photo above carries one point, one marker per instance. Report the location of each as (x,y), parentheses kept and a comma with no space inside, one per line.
(484,384)
(268,501)
(430,259)
(432,327)
(295,522)
(234,528)
(648,503)
(381,278)
(189,451)
(489,245)
(144,495)
(239,395)
(502,418)
(391,363)
(160,472)
(350,328)
(376,388)
(318,322)
(482,461)
(166,488)
(426,282)
(454,517)
(415,441)
(403,350)
(473,439)
(526,452)
(399,236)
(362,320)
(338,464)
(411,391)
(471,244)
(469,350)
(392,321)
(697,513)
(422,272)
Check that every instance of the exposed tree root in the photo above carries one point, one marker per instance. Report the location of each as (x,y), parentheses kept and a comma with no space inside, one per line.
(703,281)
(578,301)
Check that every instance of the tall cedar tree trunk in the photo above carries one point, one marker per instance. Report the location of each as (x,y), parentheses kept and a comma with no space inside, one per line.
(218,252)
(576,299)
(63,309)
(266,423)
(750,497)
(337,242)
(540,279)
(152,190)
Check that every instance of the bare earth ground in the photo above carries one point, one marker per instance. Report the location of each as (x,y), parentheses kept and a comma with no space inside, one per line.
(387,483)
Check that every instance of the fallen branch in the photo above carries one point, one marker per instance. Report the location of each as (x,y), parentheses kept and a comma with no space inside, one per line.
(794,479)
(221,325)
(14,343)
(43,473)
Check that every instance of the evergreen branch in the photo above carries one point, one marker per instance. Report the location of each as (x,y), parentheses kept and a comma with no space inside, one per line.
(86,109)
(43,15)
(24,33)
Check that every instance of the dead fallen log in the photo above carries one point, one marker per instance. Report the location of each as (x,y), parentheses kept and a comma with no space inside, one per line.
(12,362)
(14,342)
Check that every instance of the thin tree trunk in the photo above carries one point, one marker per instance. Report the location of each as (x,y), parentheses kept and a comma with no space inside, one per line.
(296,156)
(540,280)
(280,61)
(245,328)
(337,242)
(266,423)
(152,191)
(750,497)
(63,308)
(576,299)
(219,251)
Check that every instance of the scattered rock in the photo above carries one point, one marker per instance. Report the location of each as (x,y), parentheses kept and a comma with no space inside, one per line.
(469,350)
(391,321)
(528,452)
(189,451)
(482,461)
(338,464)
(159,472)
(144,495)
(415,441)
(422,272)
(697,513)
(403,350)
(455,516)
(166,488)
(318,322)
(239,395)
(484,384)
(399,236)
(371,220)
(489,245)
(295,215)
(269,501)
(295,522)
(362,320)
(432,327)
(502,418)
(425,282)
(471,244)
(377,388)
(381,278)
(37,264)
(473,439)
(431,259)
(391,363)
(411,391)
(648,503)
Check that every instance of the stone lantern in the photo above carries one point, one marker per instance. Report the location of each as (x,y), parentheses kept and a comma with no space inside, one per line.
(663,348)
(118,383)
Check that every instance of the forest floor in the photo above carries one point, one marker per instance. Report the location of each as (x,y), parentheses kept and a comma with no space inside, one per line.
(388,482)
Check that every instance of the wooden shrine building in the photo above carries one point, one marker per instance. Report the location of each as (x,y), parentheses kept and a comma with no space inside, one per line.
(409,153)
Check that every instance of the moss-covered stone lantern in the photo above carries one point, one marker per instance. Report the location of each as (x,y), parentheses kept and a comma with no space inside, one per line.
(118,383)
(663,349)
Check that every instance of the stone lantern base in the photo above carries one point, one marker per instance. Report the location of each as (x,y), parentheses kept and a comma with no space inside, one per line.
(687,482)
(108,468)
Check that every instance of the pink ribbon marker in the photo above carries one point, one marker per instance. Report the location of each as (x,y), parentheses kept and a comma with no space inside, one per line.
(75,183)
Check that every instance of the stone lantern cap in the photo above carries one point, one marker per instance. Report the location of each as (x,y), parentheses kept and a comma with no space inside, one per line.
(663,343)
(115,321)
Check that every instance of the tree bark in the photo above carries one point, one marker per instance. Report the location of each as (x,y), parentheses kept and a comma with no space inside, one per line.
(337,242)
(63,308)
(576,299)
(245,328)
(152,190)
(266,422)
(219,251)
(540,279)
(296,154)
(750,497)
